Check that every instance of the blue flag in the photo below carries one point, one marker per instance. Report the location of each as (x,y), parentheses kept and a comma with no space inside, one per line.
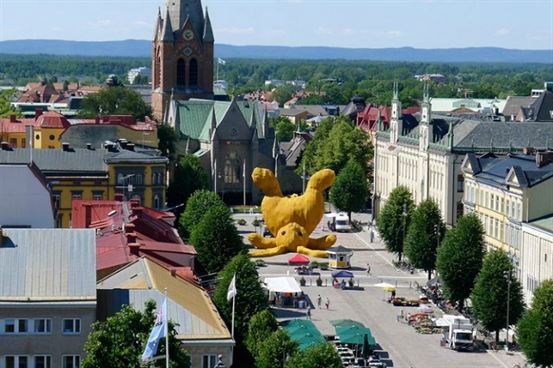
(157,332)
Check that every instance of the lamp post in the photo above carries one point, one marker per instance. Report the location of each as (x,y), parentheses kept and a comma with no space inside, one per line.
(404,215)
(507,274)
(437,232)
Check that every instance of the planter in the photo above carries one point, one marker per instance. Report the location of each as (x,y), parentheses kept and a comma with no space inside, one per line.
(319,281)
(302,282)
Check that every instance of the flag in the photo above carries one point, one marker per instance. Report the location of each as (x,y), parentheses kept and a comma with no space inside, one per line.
(221,61)
(158,331)
(231,293)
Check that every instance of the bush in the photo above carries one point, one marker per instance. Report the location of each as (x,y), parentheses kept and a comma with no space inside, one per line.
(319,281)
(241,222)
(256,222)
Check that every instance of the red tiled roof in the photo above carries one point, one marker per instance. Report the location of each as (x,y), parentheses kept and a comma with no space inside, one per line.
(126,231)
(53,119)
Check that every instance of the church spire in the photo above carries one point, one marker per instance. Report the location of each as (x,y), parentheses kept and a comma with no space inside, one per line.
(167,32)
(179,10)
(208,31)
(158,23)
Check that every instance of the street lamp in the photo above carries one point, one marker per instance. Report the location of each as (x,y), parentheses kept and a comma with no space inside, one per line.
(404,214)
(507,275)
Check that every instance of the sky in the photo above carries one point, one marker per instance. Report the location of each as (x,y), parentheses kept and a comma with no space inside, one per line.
(518,24)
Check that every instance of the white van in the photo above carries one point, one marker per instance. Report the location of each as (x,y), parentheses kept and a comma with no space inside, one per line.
(342,222)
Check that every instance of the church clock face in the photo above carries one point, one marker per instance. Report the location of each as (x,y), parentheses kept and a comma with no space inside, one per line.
(187,51)
(188,35)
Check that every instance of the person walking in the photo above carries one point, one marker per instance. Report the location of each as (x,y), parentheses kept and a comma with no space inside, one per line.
(308,312)
(368,269)
(327,303)
(319,300)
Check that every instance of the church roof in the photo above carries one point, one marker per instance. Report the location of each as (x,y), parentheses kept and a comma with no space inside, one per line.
(181,10)
(195,116)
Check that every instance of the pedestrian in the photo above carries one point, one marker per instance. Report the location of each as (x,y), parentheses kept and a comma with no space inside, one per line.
(308,312)
(327,303)
(319,300)
(368,269)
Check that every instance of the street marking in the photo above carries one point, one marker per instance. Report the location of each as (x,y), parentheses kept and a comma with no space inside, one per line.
(493,356)
(378,254)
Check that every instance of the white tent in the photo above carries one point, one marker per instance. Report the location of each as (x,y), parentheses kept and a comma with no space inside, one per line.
(282,285)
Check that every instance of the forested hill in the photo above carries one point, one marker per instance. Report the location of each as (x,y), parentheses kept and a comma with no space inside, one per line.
(142,48)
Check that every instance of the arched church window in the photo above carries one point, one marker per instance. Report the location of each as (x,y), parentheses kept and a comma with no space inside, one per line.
(181,73)
(158,72)
(193,77)
(232,170)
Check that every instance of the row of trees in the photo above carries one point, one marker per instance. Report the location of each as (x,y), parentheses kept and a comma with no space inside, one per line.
(458,255)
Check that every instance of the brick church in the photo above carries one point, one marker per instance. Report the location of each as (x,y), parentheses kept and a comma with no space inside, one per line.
(182,55)
(229,137)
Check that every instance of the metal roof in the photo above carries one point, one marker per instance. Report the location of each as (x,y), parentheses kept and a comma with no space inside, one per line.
(48,265)
(189,305)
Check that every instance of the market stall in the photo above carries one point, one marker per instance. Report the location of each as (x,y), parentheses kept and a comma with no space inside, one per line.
(285,292)
(339,257)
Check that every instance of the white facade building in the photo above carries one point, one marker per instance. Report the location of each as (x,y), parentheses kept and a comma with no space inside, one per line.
(135,72)
(536,258)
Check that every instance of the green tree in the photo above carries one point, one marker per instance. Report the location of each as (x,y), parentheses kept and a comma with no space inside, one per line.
(489,296)
(535,328)
(188,177)
(350,190)
(260,327)
(6,98)
(337,142)
(121,339)
(284,128)
(115,101)
(167,140)
(318,356)
(283,94)
(424,235)
(275,350)
(196,207)
(250,300)
(394,219)
(216,239)
(460,258)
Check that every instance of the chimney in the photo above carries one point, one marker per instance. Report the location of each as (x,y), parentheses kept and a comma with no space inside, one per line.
(527,150)
(38,112)
(29,136)
(173,271)
(13,118)
(137,211)
(134,248)
(5,146)
(65,147)
(130,146)
(89,147)
(544,158)
(134,203)
(131,238)
(129,228)
(119,197)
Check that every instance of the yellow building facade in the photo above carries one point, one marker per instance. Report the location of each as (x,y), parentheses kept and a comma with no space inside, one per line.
(96,174)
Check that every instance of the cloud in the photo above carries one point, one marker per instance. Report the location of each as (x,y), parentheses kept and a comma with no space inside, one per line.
(143,24)
(502,32)
(394,34)
(102,23)
(236,30)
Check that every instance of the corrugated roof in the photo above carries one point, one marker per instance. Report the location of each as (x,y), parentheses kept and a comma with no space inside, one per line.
(77,160)
(48,265)
(189,305)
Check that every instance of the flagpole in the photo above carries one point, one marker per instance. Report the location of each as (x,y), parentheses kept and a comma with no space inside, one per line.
(166,332)
(233,304)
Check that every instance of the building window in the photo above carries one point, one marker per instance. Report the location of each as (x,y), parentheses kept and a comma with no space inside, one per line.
(9,326)
(193,76)
(71,326)
(209,361)
(139,179)
(120,179)
(181,73)
(43,361)
(52,137)
(232,171)
(71,361)
(76,195)
(156,201)
(42,326)
(13,143)
(97,196)
(16,361)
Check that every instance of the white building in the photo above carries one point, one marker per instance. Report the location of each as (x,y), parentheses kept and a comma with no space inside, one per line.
(25,198)
(536,263)
(426,155)
(135,72)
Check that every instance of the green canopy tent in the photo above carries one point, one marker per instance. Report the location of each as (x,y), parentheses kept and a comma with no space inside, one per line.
(353,332)
(303,332)
(345,322)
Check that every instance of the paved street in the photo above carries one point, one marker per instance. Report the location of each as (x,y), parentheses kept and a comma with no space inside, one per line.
(406,348)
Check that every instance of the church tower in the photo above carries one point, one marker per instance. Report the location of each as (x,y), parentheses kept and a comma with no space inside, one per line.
(182,55)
